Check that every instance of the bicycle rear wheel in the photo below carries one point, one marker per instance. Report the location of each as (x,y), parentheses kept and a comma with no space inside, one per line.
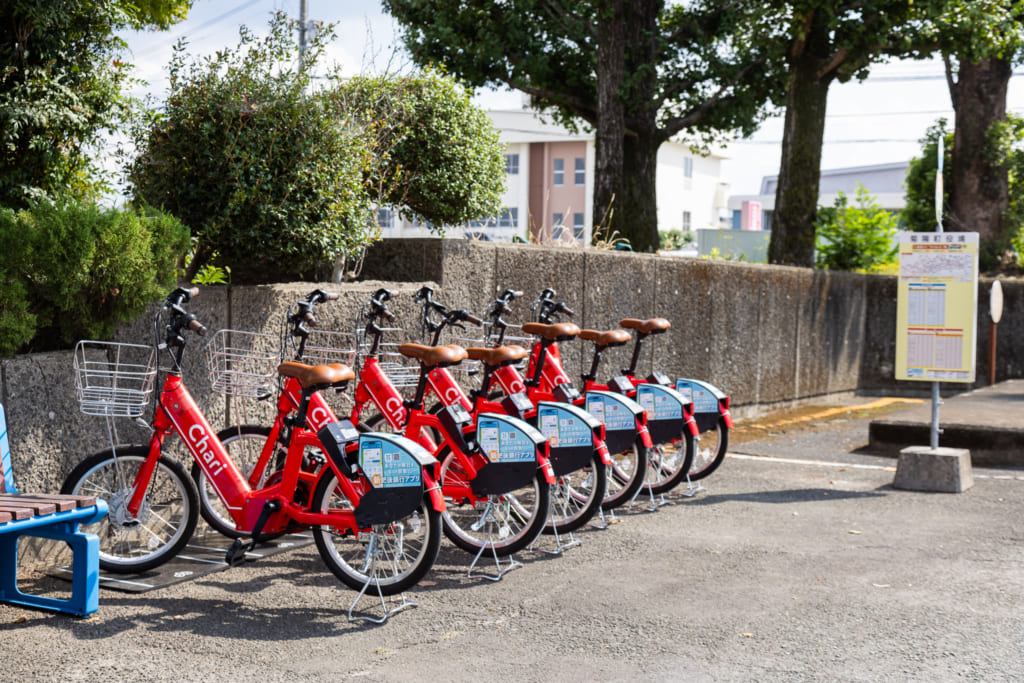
(402,552)
(518,515)
(625,476)
(576,497)
(710,451)
(244,444)
(165,521)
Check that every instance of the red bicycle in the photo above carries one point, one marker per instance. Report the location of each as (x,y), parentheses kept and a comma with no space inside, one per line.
(495,472)
(374,509)
(626,436)
(577,452)
(689,423)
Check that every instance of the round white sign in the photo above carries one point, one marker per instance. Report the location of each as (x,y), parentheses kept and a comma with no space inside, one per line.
(995,302)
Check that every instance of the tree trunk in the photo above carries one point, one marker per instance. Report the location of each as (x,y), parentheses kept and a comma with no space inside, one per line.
(611,65)
(796,197)
(637,213)
(979,191)
(638,208)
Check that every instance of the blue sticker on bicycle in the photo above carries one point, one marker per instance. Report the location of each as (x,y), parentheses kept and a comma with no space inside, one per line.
(704,396)
(615,411)
(563,427)
(660,403)
(390,463)
(506,439)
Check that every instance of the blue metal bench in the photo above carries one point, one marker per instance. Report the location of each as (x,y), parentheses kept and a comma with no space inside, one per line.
(53,517)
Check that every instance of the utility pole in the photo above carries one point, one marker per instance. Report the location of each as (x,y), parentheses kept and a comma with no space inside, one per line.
(303,24)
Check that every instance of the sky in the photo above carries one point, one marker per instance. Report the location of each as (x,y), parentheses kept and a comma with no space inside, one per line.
(880,120)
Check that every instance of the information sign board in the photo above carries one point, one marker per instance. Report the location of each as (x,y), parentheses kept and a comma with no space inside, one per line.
(936,306)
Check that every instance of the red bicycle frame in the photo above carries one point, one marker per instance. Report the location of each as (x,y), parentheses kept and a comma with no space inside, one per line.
(178,411)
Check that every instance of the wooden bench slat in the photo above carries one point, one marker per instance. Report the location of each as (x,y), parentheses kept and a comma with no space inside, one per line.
(17,513)
(62,502)
(5,516)
(38,507)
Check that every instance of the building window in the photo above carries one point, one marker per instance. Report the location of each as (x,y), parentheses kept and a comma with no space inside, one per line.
(688,167)
(581,171)
(559,174)
(509,218)
(737,219)
(511,164)
(686,221)
(577,226)
(556,226)
(385,218)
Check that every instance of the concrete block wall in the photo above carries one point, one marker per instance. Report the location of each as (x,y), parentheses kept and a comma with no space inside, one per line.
(767,335)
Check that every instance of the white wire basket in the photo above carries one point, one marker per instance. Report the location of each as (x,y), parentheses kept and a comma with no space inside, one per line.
(242,363)
(324,347)
(114,379)
(401,370)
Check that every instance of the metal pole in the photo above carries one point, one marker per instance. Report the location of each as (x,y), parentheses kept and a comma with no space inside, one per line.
(938,228)
(303,22)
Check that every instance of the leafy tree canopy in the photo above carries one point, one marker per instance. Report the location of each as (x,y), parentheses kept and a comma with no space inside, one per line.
(435,156)
(263,174)
(60,87)
(688,69)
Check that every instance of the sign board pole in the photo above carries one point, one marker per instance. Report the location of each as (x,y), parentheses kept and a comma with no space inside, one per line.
(936,400)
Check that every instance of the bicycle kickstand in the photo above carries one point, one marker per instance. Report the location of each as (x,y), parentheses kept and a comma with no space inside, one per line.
(371,574)
(488,520)
(655,502)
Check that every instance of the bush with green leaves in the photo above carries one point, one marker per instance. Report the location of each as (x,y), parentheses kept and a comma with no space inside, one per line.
(260,170)
(73,270)
(437,157)
(674,240)
(860,237)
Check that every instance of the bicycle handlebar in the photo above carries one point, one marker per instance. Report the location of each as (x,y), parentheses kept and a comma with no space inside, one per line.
(547,307)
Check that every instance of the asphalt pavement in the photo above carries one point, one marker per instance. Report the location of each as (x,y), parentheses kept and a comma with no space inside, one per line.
(799,562)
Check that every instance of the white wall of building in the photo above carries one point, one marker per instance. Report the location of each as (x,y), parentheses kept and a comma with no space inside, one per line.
(688,184)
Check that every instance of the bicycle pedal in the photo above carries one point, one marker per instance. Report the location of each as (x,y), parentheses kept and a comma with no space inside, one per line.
(235,555)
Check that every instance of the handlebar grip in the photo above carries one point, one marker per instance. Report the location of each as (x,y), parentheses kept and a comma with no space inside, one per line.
(565,309)
(197,327)
(193,291)
(333,296)
(388,315)
(473,320)
(309,318)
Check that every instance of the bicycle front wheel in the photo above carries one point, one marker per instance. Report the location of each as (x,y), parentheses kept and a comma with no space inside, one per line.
(398,554)
(510,521)
(710,451)
(625,476)
(163,525)
(576,497)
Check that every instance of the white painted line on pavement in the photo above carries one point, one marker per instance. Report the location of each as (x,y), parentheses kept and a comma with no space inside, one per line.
(855,466)
(822,463)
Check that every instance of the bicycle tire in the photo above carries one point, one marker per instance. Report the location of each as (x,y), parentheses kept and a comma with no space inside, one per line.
(345,553)
(576,497)
(165,522)
(524,511)
(670,463)
(709,456)
(626,474)
(244,444)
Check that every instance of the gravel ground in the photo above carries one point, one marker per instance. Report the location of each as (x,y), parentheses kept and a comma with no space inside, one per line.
(784,569)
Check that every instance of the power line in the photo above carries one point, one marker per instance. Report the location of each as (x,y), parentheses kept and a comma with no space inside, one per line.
(162,45)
